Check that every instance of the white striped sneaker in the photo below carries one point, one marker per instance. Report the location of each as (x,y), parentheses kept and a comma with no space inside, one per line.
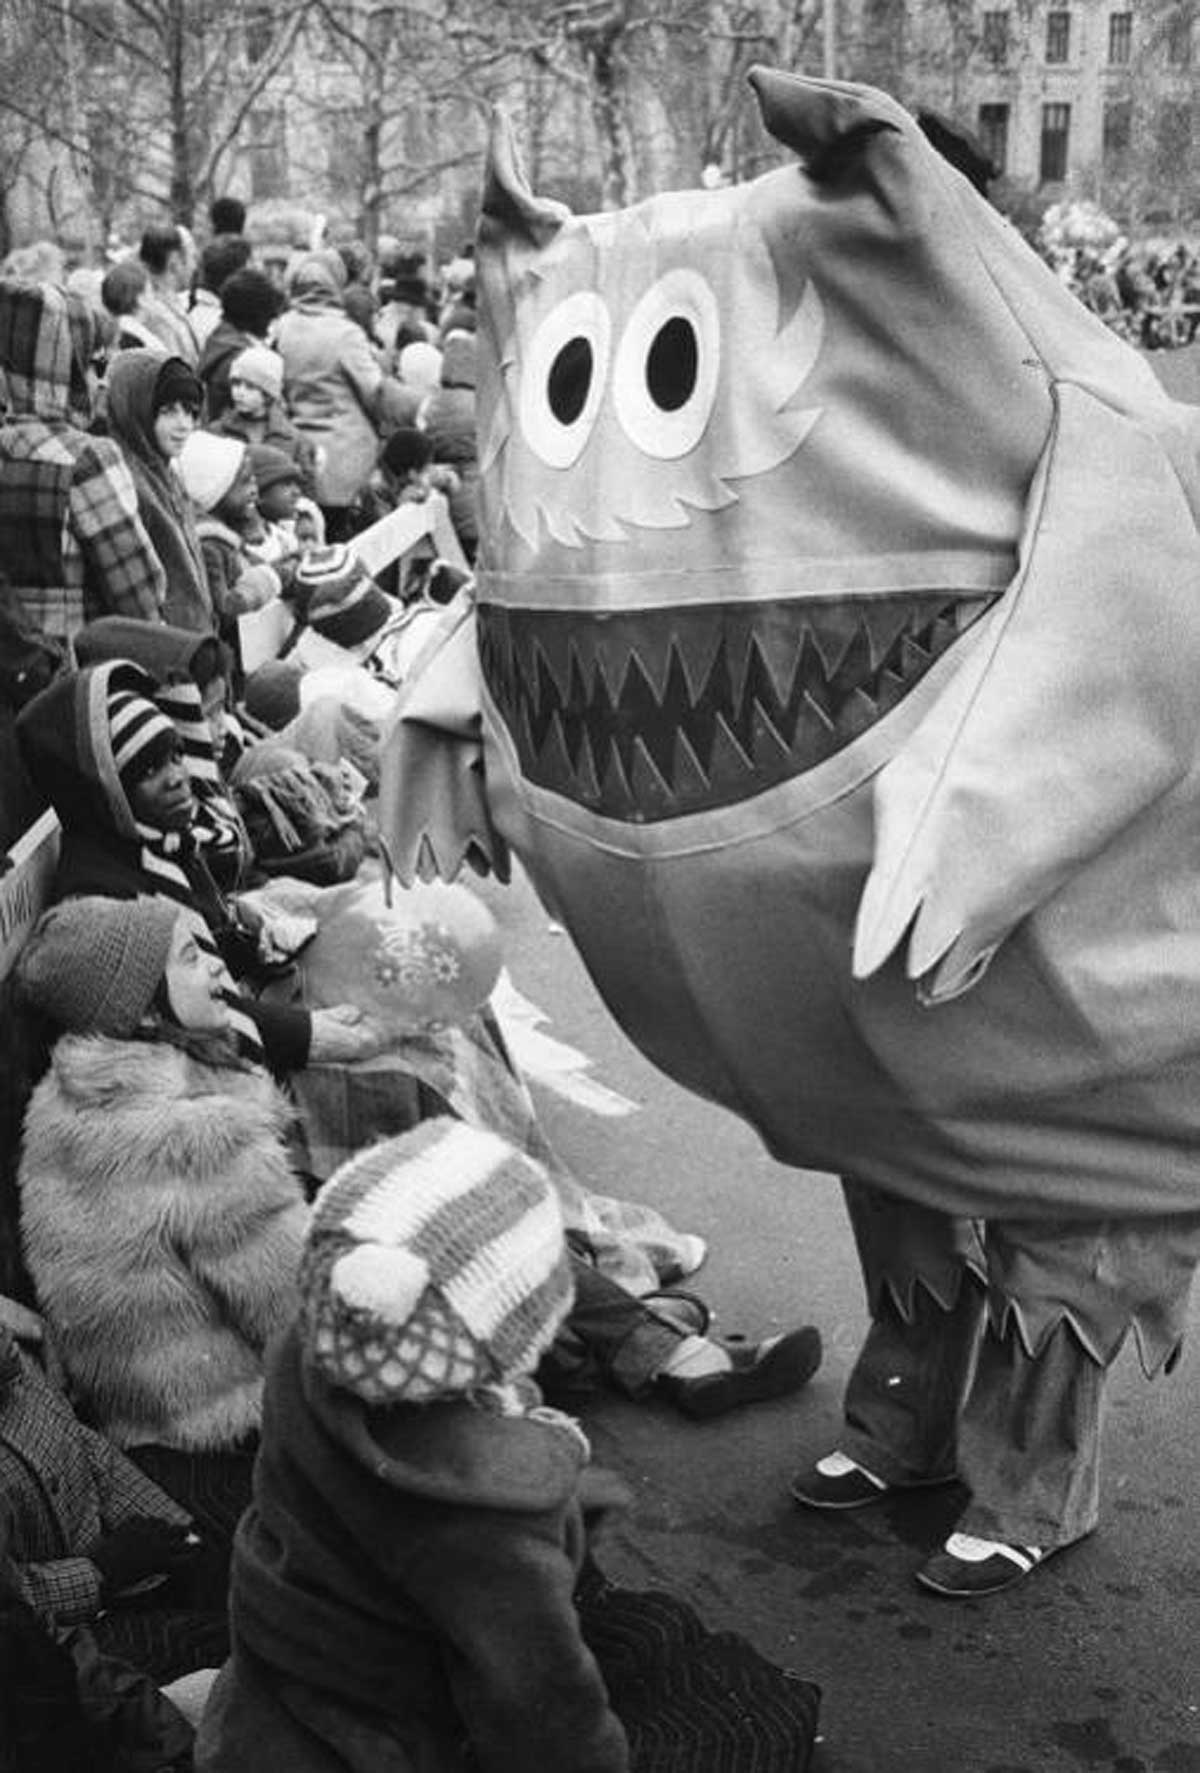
(966,1566)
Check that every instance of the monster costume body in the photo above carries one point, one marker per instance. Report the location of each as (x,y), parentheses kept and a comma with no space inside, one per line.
(835,640)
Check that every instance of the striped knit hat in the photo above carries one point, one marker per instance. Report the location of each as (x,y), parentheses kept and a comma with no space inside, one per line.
(435,1267)
(343,602)
(142,736)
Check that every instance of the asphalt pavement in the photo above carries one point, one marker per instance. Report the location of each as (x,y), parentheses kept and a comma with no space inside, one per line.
(1090,1664)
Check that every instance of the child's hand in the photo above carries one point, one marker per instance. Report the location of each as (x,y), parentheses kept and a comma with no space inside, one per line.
(343,1034)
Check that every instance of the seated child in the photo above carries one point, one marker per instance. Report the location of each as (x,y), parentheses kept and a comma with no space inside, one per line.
(256,412)
(219,480)
(88,1533)
(162,1218)
(402,1590)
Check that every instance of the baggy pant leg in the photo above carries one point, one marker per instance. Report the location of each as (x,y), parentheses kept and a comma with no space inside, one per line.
(1062,1299)
(921,1271)
(1029,1440)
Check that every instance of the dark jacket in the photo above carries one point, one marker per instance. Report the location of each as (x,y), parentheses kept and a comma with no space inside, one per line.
(418,1563)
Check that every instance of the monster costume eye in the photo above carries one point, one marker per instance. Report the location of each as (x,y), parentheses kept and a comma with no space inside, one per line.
(563,378)
(665,379)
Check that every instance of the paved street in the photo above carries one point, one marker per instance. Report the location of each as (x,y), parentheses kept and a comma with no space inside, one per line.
(1090,1665)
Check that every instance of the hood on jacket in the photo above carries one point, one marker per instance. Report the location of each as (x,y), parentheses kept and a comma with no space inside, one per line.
(318,281)
(132,377)
(170,655)
(47,340)
(66,745)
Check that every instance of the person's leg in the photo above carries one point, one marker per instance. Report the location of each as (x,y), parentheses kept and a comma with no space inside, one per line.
(610,1334)
(1029,1441)
(640,1347)
(902,1399)
(1063,1298)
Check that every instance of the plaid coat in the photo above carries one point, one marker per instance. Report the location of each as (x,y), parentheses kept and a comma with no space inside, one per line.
(71,540)
(62,1487)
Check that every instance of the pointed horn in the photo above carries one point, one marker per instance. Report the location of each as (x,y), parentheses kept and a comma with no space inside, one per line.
(507,197)
(828,124)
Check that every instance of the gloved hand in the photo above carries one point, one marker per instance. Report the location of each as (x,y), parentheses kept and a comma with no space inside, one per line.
(140,1547)
(342,1034)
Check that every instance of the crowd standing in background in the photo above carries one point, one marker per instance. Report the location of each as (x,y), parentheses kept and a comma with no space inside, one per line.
(189,436)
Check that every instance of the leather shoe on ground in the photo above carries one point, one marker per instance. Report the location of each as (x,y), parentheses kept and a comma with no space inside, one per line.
(771,1369)
(836,1482)
(966,1568)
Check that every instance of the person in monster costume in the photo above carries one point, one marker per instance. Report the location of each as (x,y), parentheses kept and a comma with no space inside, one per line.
(834,639)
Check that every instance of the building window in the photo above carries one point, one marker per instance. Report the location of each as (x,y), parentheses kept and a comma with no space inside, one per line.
(1056,130)
(1179,40)
(1058,36)
(993,133)
(1173,144)
(1118,131)
(995,38)
(1120,39)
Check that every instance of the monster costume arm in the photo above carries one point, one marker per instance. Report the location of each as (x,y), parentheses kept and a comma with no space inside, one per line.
(433,810)
(1076,713)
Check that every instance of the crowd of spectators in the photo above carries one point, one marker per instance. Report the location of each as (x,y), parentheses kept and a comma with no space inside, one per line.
(186,440)
(1147,290)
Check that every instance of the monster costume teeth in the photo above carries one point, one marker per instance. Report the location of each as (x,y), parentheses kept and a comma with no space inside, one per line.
(656,714)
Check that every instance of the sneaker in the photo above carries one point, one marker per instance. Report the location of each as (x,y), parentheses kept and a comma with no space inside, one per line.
(966,1566)
(837,1481)
(756,1373)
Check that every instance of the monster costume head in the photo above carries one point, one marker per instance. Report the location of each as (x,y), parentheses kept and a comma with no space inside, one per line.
(836,621)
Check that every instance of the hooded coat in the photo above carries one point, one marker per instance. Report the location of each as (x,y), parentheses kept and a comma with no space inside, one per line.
(410,1573)
(162,1225)
(332,380)
(71,539)
(162,503)
(67,746)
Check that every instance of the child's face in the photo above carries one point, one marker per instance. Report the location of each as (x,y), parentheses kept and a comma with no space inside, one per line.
(278,501)
(249,401)
(308,531)
(173,425)
(196,978)
(239,507)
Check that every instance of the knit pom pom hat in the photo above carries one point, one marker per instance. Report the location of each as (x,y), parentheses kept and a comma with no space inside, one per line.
(435,1267)
(271,466)
(261,368)
(93,965)
(208,466)
(343,602)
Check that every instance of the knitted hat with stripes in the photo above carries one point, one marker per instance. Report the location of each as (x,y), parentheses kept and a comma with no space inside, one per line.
(142,736)
(343,602)
(435,1267)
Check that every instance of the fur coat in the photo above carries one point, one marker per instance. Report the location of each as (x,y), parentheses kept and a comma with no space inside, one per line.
(162,1227)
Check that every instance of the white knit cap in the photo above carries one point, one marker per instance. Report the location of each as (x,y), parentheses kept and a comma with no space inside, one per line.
(419,366)
(435,1266)
(208,467)
(261,367)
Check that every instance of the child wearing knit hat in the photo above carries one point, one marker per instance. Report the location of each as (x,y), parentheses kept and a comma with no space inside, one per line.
(257,412)
(162,1220)
(219,480)
(405,1578)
